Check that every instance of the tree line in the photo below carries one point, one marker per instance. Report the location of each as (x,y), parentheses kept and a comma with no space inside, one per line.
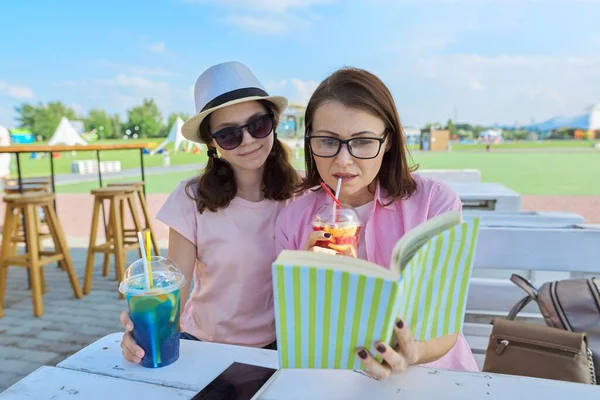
(145,120)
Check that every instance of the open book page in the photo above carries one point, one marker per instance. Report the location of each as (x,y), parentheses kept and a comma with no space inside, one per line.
(435,282)
(414,239)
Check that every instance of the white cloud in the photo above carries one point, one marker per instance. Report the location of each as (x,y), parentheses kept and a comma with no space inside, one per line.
(137,82)
(476,85)
(264,5)
(296,90)
(77,108)
(158,47)
(303,89)
(125,91)
(267,17)
(16,92)
(259,25)
(267,24)
(517,87)
(134,69)
(275,86)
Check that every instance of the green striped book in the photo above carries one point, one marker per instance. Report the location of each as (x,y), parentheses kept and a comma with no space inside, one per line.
(327,305)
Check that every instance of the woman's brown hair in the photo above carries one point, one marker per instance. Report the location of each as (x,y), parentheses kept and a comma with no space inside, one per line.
(216,187)
(360,89)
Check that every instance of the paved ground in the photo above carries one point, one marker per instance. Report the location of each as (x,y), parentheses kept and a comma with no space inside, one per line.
(68,324)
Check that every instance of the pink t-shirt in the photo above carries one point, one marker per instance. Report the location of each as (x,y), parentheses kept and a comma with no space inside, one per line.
(386,225)
(232,298)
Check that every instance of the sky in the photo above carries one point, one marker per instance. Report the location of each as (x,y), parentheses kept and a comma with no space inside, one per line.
(477,61)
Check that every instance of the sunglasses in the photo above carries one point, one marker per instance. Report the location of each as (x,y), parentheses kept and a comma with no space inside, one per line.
(231,137)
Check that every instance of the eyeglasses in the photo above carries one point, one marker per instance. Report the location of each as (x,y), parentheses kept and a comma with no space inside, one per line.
(231,137)
(361,147)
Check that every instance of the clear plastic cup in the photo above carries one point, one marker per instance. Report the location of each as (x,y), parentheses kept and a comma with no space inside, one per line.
(155,312)
(344,227)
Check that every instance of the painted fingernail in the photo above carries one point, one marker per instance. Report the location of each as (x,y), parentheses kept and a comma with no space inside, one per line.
(400,324)
(362,354)
(327,235)
(380,348)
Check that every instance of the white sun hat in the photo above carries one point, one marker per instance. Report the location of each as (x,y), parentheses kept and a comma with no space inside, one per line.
(223,85)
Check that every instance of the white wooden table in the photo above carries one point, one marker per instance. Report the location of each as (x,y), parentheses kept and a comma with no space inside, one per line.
(452,175)
(100,372)
(484,195)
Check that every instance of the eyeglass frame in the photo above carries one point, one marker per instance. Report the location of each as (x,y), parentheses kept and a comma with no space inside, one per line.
(341,142)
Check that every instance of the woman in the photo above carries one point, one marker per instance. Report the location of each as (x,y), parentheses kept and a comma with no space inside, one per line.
(221,222)
(353,132)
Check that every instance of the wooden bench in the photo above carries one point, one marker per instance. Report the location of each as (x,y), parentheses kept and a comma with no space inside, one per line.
(540,252)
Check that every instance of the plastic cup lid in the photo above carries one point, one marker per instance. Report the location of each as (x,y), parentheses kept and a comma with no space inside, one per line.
(166,277)
(345,216)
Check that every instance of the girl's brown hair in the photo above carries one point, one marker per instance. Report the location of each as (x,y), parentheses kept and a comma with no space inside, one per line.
(360,89)
(216,187)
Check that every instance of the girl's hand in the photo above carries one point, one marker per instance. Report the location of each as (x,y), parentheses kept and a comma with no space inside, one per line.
(131,351)
(318,236)
(395,360)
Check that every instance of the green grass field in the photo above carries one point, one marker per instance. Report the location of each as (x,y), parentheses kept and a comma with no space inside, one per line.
(526,167)
(530,145)
(528,173)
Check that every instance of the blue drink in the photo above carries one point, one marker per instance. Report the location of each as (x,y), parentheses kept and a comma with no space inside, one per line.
(155,312)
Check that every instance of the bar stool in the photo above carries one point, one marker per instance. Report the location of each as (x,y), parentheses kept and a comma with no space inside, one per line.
(28,204)
(12,188)
(42,180)
(115,242)
(139,190)
(18,235)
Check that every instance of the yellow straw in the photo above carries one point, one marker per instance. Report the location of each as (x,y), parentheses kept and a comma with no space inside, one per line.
(148,257)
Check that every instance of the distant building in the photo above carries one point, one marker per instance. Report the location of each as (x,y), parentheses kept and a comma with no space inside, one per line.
(413,135)
(435,140)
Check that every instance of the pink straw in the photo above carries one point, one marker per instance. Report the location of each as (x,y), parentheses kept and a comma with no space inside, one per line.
(324,186)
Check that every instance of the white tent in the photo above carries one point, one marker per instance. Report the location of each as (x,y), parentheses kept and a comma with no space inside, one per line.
(176,136)
(66,134)
(491,134)
(5,157)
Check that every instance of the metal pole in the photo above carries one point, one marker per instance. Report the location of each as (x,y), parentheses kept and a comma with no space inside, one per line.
(52,182)
(99,172)
(19,173)
(20,180)
(102,201)
(142,167)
